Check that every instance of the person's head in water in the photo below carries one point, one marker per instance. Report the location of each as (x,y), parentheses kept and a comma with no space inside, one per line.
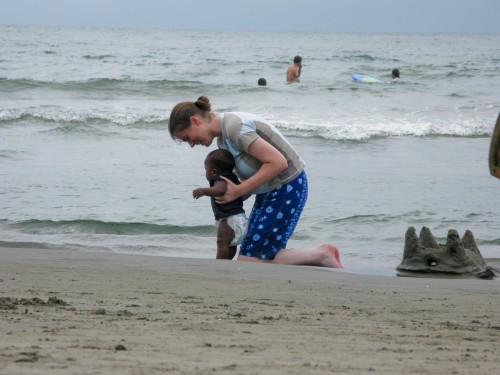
(293,72)
(395,73)
(262,82)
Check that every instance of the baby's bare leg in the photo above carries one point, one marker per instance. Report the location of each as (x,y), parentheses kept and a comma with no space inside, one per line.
(225,234)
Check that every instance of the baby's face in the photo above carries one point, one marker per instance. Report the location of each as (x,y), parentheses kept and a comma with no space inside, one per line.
(209,171)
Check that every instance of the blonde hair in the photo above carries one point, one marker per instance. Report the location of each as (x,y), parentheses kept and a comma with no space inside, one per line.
(181,114)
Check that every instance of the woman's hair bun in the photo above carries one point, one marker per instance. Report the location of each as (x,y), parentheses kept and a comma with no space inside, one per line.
(203,103)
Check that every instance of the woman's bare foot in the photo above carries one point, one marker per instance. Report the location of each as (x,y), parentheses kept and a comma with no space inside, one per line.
(332,254)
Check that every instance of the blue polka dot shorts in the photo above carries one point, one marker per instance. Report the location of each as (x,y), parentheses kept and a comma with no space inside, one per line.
(273,219)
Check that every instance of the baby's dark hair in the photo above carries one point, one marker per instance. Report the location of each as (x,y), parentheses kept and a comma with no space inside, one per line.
(220,159)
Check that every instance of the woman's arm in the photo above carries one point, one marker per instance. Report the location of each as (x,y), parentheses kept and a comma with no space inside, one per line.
(273,163)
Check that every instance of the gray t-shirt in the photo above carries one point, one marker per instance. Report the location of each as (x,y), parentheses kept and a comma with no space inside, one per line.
(239,130)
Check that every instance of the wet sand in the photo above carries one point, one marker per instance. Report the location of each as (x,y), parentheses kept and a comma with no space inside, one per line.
(71,312)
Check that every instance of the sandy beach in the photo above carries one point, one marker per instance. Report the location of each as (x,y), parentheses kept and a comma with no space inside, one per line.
(73,312)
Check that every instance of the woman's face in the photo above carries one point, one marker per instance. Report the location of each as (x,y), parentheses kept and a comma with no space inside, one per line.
(196,134)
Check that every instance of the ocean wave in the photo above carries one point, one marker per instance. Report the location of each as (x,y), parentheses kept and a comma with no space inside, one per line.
(24,245)
(80,226)
(359,57)
(413,216)
(362,130)
(84,117)
(118,87)
(92,84)
(98,57)
(416,218)
(117,237)
(495,241)
(14,155)
(355,129)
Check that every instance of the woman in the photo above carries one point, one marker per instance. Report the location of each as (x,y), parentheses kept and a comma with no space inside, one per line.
(267,166)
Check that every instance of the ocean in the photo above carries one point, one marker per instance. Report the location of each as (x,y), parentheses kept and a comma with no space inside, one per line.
(87,163)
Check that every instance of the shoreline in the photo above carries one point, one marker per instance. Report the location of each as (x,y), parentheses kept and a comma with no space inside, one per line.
(80,312)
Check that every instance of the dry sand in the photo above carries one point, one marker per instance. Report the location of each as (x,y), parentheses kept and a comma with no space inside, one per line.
(70,312)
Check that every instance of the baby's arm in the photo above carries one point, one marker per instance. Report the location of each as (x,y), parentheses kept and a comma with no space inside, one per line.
(218,190)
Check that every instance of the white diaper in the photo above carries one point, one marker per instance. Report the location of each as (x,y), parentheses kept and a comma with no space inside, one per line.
(239,224)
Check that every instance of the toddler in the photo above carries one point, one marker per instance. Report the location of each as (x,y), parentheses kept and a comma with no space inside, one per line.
(232,223)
